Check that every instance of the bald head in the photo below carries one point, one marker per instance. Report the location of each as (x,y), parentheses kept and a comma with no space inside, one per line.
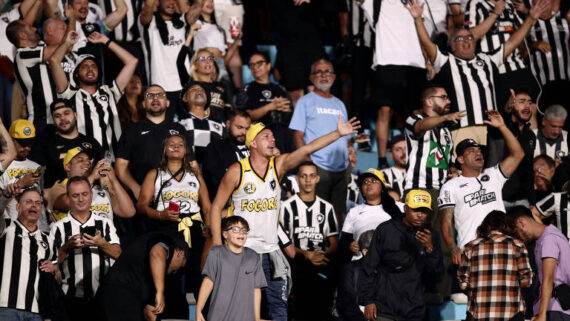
(54,30)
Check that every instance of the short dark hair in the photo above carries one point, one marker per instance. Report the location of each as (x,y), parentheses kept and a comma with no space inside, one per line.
(365,240)
(27,190)
(523,90)
(263,54)
(429,90)
(307,163)
(232,114)
(234,219)
(12,31)
(76,179)
(153,85)
(516,212)
(496,220)
(549,161)
(396,139)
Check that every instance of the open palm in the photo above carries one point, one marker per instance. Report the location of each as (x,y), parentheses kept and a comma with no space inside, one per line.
(349,127)
(415,8)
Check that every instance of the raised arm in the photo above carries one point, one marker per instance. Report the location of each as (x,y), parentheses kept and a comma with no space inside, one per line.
(416,11)
(481,29)
(58,74)
(29,10)
(225,190)
(192,12)
(148,9)
(516,153)
(520,34)
(129,61)
(113,19)
(8,148)
(285,162)
(120,200)
(428,123)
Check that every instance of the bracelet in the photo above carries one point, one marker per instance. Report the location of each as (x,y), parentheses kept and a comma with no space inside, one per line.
(108,43)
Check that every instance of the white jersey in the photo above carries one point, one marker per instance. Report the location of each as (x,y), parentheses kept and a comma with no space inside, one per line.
(101,203)
(257,199)
(364,217)
(473,198)
(183,192)
(14,172)
(160,58)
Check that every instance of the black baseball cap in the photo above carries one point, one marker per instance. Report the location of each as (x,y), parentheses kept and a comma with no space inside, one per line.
(58,101)
(464,144)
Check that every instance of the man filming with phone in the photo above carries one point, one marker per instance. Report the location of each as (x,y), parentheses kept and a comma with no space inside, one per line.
(87,246)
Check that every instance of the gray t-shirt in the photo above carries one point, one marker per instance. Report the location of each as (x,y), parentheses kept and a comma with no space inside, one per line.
(235,277)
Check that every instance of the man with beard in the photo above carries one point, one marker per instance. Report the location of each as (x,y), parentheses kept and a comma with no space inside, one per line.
(204,123)
(221,154)
(52,147)
(429,148)
(140,147)
(395,175)
(315,115)
(519,190)
(95,104)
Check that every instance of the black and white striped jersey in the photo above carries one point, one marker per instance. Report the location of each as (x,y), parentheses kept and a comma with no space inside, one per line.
(395,180)
(126,30)
(308,227)
(429,156)
(20,253)
(552,65)
(84,268)
(509,21)
(97,114)
(36,83)
(557,204)
(554,148)
(470,84)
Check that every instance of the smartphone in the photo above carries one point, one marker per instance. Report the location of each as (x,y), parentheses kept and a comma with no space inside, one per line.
(90,230)
(39,171)
(172,206)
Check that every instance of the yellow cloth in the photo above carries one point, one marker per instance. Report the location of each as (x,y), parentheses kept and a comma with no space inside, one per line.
(185,224)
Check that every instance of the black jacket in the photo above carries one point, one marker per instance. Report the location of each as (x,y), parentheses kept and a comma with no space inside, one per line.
(219,155)
(393,270)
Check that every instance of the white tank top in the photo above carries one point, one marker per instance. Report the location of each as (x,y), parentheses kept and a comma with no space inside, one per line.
(184,192)
(257,199)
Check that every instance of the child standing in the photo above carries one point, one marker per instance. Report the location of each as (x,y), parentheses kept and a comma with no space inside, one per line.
(234,275)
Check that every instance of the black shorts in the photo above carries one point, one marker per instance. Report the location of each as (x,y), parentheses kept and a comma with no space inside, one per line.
(398,87)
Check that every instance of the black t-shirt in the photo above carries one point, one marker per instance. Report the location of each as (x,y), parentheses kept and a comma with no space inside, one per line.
(141,144)
(218,94)
(50,151)
(255,95)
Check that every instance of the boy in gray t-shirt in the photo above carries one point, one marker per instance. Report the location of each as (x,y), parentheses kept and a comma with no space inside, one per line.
(234,274)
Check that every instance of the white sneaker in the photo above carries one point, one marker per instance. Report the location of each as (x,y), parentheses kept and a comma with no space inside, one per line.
(459,298)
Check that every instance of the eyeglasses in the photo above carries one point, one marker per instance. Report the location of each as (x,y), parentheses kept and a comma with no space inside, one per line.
(327,72)
(237,229)
(205,58)
(463,38)
(154,95)
(256,64)
(444,97)
(370,180)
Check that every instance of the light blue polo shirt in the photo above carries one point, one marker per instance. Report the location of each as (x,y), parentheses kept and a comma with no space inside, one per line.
(317,116)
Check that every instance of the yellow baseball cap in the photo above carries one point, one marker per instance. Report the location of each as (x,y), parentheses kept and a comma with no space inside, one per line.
(418,198)
(23,131)
(252,132)
(371,172)
(74,152)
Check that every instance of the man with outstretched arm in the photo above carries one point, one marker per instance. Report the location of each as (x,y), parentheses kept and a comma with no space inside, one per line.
(253,184)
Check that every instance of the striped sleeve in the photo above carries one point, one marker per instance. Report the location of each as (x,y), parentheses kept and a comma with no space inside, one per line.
(548,205)
(30,56)
(471,14)
(284,240)
(331,228)
(111,233)
(446,198)
(410,124)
